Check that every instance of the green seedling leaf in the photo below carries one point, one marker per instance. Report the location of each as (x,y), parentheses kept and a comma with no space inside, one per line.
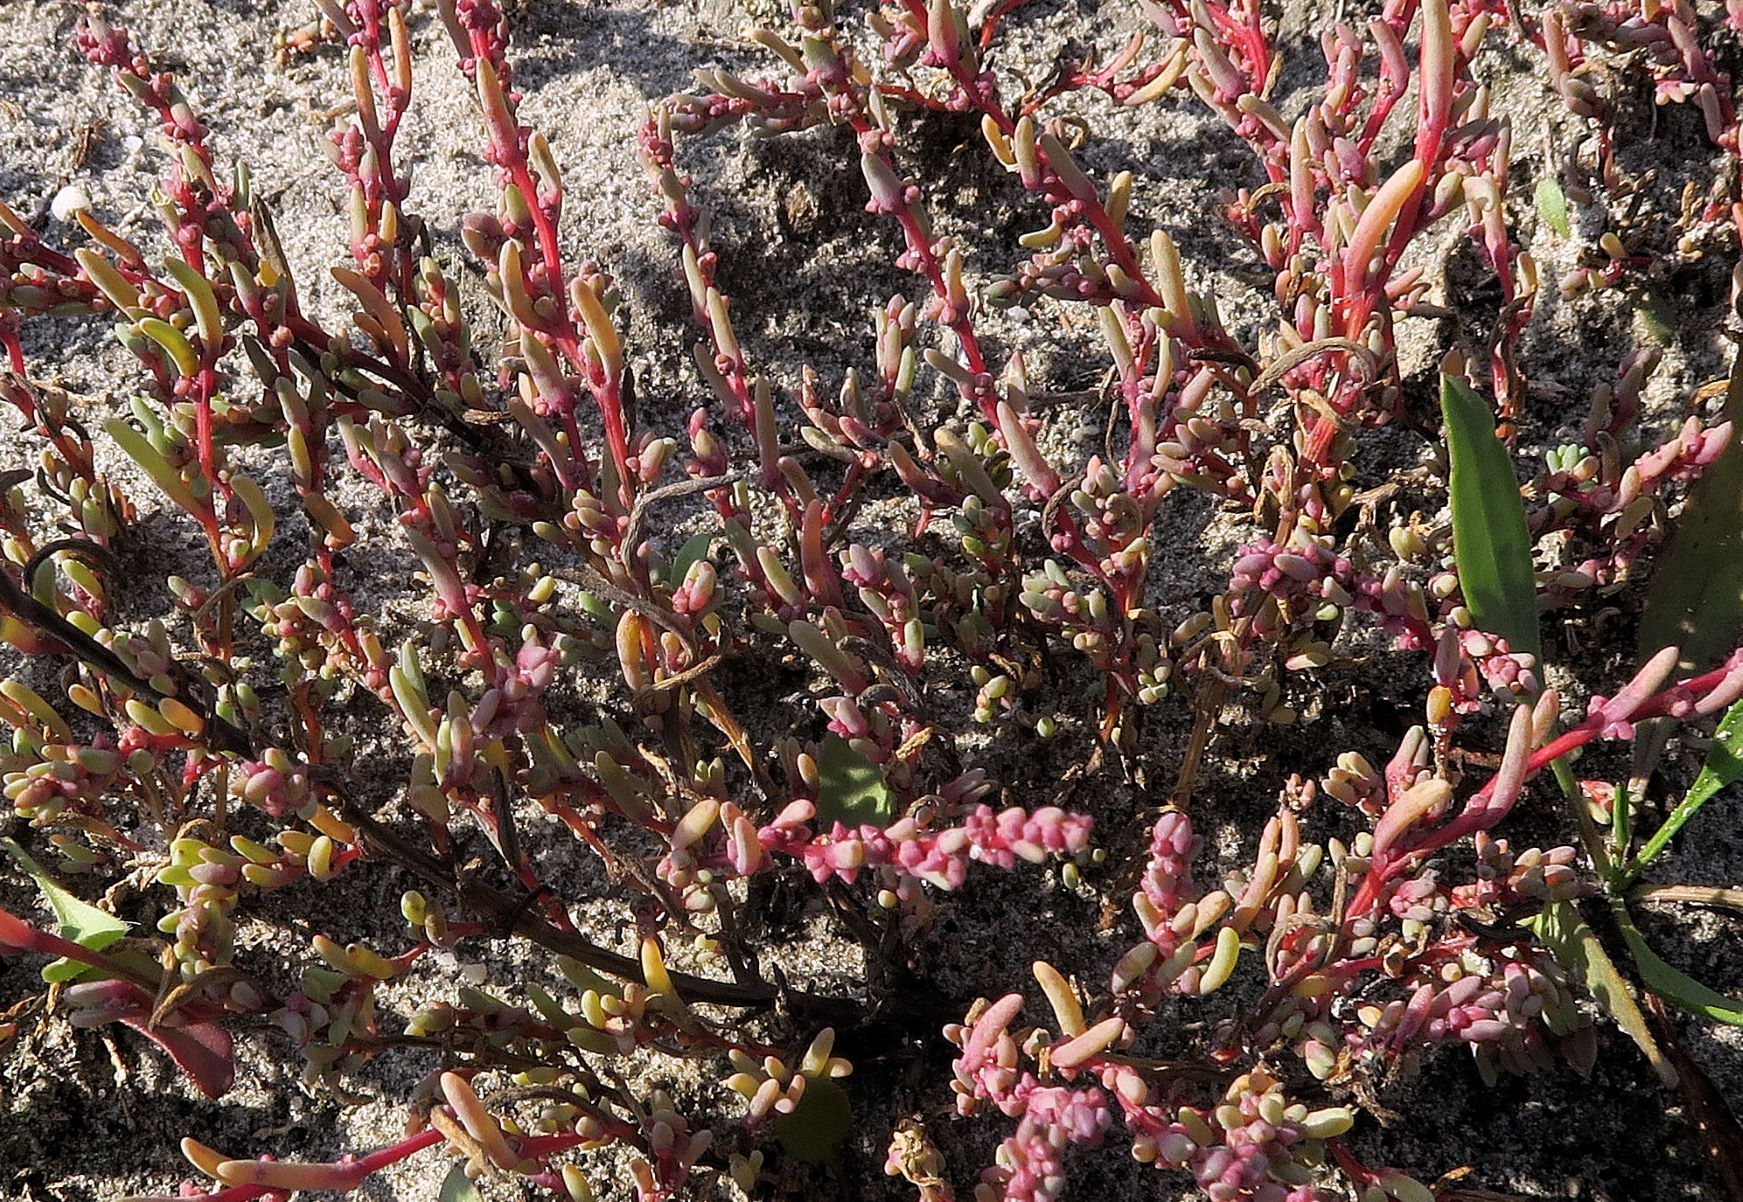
(458,1187)
(1491,548)
(1552,206)
(688,555)
(1577,950)
(1724,766)
(1672,984)
(1621,829)
(851,789)
(1657,316)
(820,1122)
(1695,600)
(80,921)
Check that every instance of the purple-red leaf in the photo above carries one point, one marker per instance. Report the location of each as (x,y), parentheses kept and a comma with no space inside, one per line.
(203,1051)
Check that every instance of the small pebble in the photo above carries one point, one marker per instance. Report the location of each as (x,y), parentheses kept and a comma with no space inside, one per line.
(69,200)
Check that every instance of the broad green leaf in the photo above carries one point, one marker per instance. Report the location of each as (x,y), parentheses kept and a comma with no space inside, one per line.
(1578,951)
(1695,600)
(458,1187)
(1491,547)
(1674,985)
(1723,767)
(688,555)
(1552,206)
(79,921)
(820,1122)
(851,789)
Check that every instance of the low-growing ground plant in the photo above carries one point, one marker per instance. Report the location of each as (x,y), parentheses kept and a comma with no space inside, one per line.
(786,650)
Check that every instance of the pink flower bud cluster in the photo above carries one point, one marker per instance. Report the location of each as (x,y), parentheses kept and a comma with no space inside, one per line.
(1198,441)
(1053,596)
(315,626)
(988,1068)
(1679,459)
(1682,68)
(1466,660)
(323,1016)
(766,105)
(205,879)
(1167,884)
(108,46)
(512,704)
(1030,1163)
(909,849)
(1308,570)
(1256,1146)
(1281,586)
(1611,507)
(674,1149)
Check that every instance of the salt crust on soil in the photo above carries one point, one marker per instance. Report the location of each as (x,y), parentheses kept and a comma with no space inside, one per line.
(805,265)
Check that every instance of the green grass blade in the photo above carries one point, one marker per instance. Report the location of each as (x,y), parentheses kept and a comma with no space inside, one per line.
(1491,547)
(1723,767)
(1695,600)
(1576,949)
(1672,984)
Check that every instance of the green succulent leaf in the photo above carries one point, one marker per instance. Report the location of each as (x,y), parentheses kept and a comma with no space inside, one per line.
(1491,547)
(80,921)
(136,447)
(851,789)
